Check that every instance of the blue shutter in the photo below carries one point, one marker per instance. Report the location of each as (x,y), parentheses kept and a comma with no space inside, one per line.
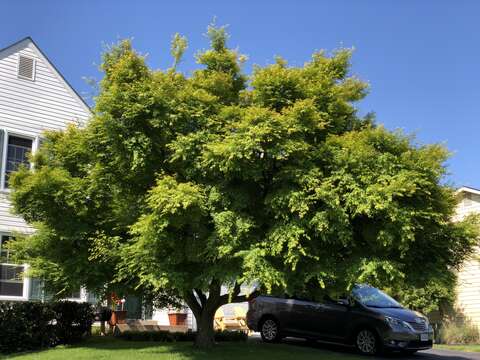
(36,289)
(2,139)
(92,298)
(133,305)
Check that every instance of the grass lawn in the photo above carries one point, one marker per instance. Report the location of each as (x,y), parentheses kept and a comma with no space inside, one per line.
(109,348)
(469,348)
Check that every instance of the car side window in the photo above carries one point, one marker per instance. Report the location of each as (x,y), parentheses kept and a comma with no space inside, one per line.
(338,300)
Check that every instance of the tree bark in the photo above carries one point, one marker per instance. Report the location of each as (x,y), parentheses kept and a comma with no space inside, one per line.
(204,309)
(206,333)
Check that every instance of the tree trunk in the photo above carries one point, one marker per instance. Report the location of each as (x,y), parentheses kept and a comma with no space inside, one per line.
(204,309)
(205,331)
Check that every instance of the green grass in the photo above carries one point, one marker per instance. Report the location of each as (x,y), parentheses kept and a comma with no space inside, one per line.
(109,348)
(468,348)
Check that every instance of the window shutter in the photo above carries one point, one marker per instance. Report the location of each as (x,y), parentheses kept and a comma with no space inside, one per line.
(92,298)
(36,289)
(2,139)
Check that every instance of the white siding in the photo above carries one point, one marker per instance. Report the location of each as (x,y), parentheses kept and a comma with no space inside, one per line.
(468,289)
(469,203)
(30,107)
(10,223)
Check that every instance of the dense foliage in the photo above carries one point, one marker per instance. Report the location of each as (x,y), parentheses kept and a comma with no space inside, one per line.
(35,325)
(181,184)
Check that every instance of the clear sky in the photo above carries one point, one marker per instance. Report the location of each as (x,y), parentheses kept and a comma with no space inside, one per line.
(421,58)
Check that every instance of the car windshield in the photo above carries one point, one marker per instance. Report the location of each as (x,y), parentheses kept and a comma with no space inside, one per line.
(372,297)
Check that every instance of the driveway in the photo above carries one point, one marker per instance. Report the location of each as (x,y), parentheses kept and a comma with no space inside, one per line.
(445,355)
(421,355)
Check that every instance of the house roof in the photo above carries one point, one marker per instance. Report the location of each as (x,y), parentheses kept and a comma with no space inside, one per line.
(468,189)
(45,57)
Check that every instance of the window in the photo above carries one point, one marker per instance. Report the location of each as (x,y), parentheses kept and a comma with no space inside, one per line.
(11,280)
(4,253)
(11,276)
(75,294)
(18,149)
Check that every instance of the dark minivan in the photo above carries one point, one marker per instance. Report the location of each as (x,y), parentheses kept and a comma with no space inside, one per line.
(368,319)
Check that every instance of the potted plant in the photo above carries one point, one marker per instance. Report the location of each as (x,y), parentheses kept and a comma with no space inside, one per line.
(119,314)
(177,316)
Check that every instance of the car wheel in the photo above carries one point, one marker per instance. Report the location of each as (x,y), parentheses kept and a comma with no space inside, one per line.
(270,330)
(366,342)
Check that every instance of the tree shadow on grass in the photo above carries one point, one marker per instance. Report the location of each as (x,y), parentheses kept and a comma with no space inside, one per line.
(121,349)
(254,349)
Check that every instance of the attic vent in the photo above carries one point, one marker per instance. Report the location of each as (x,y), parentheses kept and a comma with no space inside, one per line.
(26,68)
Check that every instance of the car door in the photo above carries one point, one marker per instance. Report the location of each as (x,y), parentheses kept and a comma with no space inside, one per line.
(299,317)
(336,317)
(317,320)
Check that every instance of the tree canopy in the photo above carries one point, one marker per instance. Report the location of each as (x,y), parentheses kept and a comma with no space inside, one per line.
(181,183)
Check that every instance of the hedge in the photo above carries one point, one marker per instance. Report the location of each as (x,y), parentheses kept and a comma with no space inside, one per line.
(166,336)
(34,325)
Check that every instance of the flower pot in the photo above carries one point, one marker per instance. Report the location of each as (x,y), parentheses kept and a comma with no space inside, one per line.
(177,318)
(118,317)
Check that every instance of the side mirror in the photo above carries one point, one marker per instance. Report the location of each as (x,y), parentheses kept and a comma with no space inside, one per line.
(344,302)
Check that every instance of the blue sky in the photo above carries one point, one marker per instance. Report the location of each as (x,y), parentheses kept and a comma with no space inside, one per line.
(421,58)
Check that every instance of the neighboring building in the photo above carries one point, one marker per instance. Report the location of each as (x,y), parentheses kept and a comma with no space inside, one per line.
(34,97)
(468,289)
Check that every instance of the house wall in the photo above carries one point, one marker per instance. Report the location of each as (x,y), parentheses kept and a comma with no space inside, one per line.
(27,108)
(34,106)
(469,203)
(468,288)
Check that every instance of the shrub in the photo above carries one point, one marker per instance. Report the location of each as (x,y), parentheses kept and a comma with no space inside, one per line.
(25,326)
(454,333)
(73,321)
(35,325)
(231,336)
(166,336)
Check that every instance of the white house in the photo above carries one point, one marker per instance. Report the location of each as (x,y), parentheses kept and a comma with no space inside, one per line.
(468,288)
(34,97)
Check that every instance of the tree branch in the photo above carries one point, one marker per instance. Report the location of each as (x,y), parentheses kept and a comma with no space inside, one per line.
(242,298)
(201,296)
(235,297)
(192,302)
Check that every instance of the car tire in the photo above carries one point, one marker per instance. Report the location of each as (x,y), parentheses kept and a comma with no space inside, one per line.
(270,330)
(366,342)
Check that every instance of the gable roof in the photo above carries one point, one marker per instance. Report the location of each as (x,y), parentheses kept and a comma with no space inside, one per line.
(44,57)
(468,189)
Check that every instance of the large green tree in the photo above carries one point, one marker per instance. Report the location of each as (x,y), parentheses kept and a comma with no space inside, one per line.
(186,183)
